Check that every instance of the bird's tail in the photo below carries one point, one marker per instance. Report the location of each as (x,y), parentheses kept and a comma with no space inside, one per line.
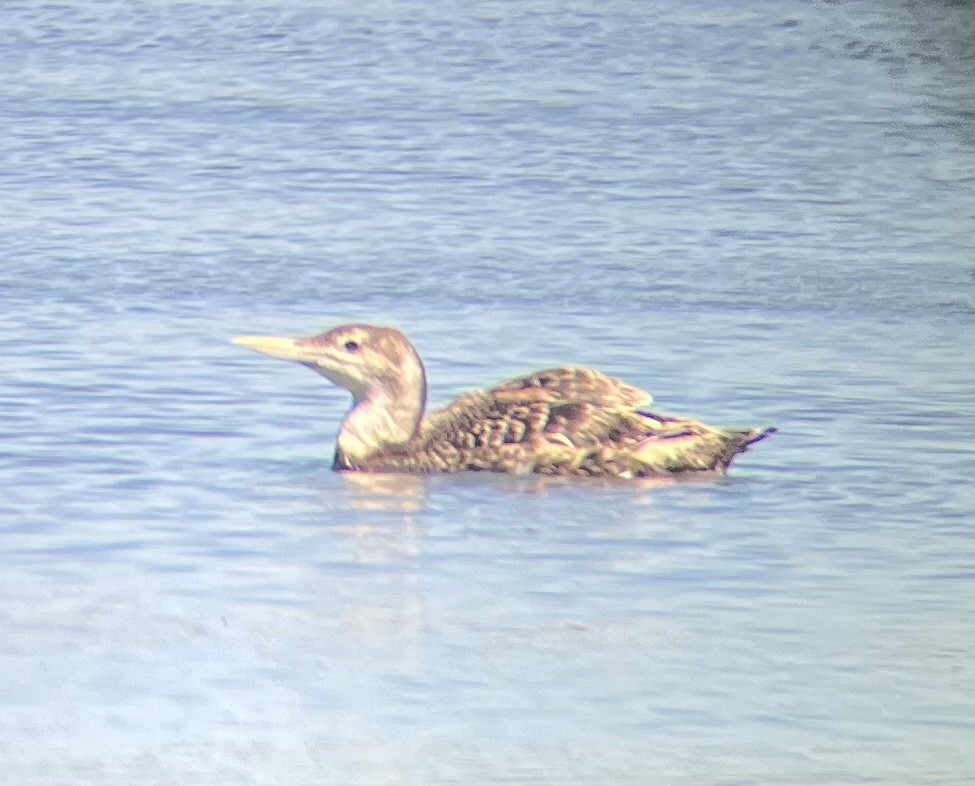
(678,445)
(754,435)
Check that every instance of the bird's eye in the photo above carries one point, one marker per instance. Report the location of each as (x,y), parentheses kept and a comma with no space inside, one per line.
(351,346)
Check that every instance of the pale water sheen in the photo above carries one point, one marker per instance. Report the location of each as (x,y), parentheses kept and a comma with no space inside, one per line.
(761,213)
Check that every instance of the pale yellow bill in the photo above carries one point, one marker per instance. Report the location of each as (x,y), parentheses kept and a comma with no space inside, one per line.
(275,346)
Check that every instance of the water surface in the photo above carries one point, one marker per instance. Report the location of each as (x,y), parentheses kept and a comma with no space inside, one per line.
(761,214)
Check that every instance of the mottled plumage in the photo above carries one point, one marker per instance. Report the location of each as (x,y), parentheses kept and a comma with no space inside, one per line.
(561,421)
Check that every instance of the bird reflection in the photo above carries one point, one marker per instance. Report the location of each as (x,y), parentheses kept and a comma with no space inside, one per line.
(386,492)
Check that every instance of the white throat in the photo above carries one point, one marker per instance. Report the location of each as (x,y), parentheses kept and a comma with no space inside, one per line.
(377,423)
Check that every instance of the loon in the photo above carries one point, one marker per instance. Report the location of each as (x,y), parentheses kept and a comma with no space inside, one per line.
(561,421)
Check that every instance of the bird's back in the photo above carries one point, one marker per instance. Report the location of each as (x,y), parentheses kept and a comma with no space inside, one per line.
(562,421)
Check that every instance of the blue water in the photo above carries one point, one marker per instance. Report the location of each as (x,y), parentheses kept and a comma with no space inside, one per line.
(761,213)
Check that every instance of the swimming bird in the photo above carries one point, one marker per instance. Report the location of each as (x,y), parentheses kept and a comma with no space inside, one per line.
(560,421)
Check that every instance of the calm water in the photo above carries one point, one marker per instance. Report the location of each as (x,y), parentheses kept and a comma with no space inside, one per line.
(761,213)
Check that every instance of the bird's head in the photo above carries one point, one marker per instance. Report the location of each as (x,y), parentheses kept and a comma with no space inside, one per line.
(368,361)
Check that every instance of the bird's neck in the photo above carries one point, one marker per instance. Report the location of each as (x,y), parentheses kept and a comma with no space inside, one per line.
(385,418)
